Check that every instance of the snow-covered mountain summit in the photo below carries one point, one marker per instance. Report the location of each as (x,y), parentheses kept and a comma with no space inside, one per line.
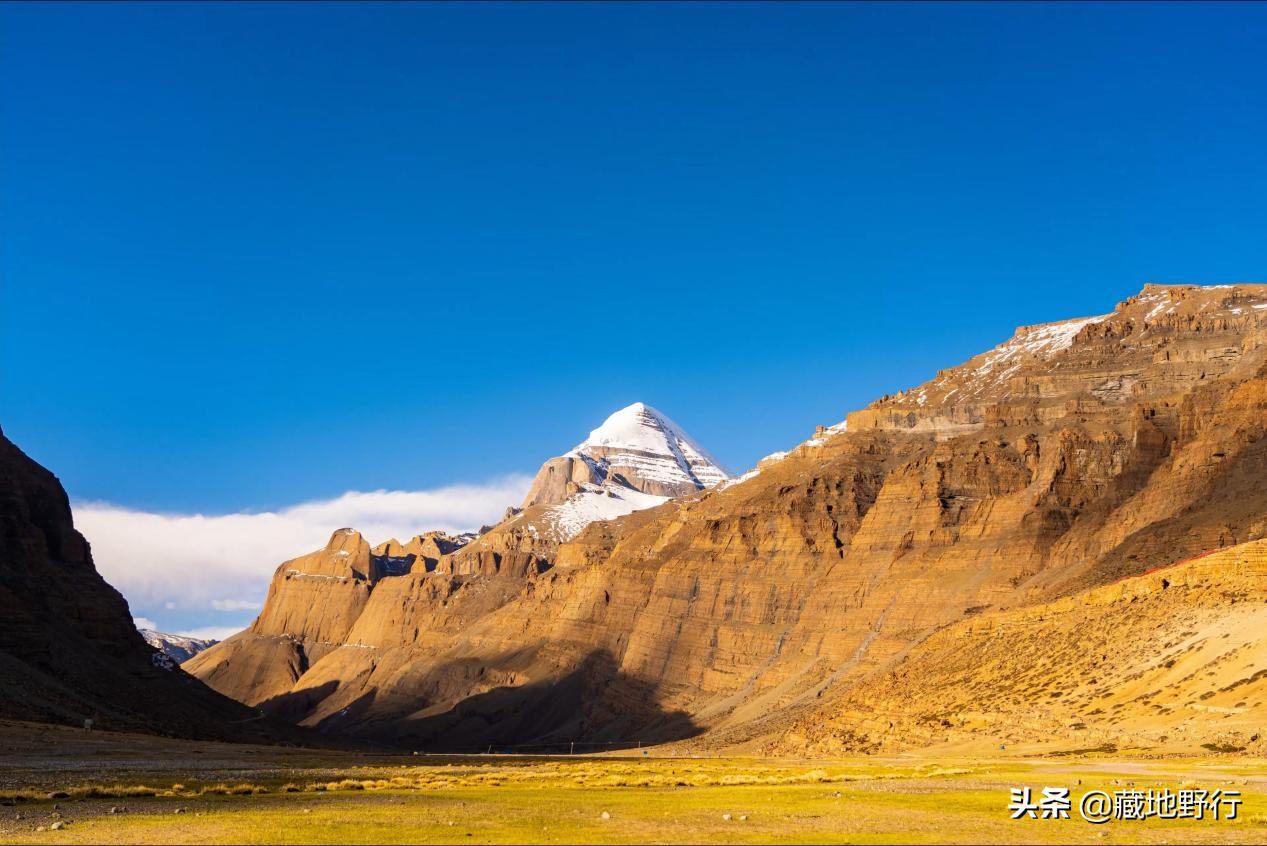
(637,449)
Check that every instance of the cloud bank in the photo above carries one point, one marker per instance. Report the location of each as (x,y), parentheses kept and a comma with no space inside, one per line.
(203,573)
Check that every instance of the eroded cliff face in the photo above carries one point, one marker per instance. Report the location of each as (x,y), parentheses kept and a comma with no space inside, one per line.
(68,648)
(421,552)
(313,603)
(1074,454)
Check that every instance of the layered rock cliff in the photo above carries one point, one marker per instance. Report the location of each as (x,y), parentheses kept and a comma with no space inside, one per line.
(313,603)
(1072,455)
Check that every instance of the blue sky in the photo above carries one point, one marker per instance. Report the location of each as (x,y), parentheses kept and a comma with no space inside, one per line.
(256,254)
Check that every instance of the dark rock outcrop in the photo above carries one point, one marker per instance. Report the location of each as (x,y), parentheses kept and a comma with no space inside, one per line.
(69,651)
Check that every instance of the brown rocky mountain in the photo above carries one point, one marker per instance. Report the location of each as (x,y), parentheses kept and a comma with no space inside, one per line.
(68,648)
(637,459)
(1071,456)
(349,595)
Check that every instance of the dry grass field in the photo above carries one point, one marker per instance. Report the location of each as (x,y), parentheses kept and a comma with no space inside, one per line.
(112,788)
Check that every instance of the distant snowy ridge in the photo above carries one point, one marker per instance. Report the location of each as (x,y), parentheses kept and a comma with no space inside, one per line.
(176,647)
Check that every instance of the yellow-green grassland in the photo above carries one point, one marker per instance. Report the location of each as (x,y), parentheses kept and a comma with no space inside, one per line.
(113,788)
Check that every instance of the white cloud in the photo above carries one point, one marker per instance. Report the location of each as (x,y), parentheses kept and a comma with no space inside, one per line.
(145,623)
(202,564)
(233,605)
(210,632)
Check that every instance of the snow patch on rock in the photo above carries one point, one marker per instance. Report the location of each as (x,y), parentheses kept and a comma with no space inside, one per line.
(597,502)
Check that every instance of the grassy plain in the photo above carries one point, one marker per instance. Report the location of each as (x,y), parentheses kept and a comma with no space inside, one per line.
(125,789)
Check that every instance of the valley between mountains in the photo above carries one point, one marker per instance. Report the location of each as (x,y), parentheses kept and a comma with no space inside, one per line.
(1058,543)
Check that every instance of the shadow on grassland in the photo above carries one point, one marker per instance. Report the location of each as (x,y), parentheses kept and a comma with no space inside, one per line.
(595,707)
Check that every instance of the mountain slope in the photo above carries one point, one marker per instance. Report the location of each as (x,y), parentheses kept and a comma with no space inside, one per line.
(1072,455)
(1172,659)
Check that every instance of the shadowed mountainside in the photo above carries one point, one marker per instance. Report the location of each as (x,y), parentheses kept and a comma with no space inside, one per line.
(68,648)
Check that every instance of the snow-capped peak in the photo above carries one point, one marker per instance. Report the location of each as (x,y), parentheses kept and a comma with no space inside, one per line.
(636,459)
(640,426)
(644,440)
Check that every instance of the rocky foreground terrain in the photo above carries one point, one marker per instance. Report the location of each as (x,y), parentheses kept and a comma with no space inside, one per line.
(934,567)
